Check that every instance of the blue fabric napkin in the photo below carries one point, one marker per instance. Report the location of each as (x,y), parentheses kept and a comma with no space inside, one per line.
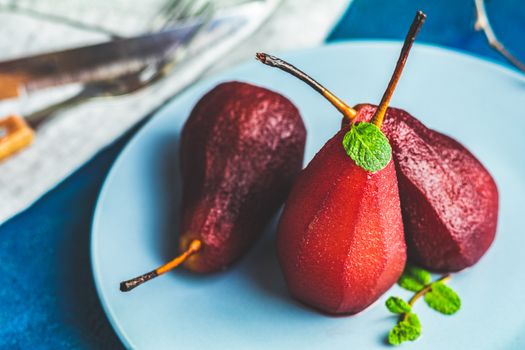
(47,295)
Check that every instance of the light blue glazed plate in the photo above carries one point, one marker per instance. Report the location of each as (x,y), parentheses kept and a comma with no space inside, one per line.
(247,307)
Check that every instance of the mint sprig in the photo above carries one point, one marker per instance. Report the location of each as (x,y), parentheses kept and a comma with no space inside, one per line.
(437,295)
(366,144)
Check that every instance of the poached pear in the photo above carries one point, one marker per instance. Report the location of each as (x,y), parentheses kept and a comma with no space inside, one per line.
(448,198)
(340,239)
(241,148)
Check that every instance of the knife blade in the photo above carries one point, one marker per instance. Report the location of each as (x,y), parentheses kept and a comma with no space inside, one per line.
(90,63)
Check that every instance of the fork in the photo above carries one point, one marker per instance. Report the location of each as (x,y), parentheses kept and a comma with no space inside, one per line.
(123,85)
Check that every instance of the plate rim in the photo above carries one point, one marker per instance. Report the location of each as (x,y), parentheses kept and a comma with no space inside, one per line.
(489,62)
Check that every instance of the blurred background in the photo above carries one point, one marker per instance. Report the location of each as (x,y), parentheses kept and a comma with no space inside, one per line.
(71,124)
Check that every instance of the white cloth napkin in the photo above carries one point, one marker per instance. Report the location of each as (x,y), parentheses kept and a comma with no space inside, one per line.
(76,135)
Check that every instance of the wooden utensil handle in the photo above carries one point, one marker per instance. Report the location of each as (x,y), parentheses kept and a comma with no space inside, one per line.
(15,135)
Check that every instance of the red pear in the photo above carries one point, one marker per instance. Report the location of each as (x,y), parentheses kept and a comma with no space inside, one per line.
(448,199)
(340,238)
(241,148)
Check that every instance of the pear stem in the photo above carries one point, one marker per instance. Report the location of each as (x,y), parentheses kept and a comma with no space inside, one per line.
(424,291)
(273,61)
(128,285)
(418,21)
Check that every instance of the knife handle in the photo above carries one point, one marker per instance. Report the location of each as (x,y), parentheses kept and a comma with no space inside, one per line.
(15,135)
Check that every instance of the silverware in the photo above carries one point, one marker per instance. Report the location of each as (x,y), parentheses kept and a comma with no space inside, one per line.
(91,63)
(123,85)
(17,133)
(138,80)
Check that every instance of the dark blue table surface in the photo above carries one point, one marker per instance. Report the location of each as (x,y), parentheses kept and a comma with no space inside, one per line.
(47,295)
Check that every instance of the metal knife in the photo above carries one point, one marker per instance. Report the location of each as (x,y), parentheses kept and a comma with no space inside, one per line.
(108,62)
(90,63)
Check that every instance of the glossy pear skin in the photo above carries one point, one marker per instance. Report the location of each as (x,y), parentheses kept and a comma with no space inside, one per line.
(241,149)
(448,199)
(340,238)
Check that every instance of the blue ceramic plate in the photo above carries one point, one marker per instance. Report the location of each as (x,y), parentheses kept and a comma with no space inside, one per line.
(247,306)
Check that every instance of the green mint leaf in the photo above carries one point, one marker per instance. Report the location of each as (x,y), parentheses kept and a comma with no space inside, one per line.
(414,278)
(397,335)
(397,305)
(422,275)
(413,320)
(443,299)
(409,329)
(366,144)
